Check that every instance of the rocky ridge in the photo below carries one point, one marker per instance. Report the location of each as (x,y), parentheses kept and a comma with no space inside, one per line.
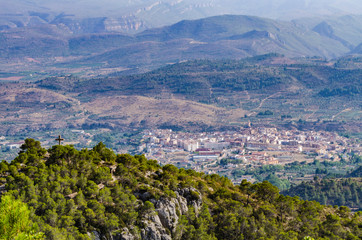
(161,223)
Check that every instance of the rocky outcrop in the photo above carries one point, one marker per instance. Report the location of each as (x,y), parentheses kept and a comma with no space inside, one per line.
(125,235)
(2,189)
(193,197)
(129,24)
(161,224)
(182,201)
(325,29)
(169,210)
(95,235)
(154,229)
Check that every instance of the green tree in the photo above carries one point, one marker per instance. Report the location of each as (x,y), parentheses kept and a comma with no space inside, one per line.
(14,220)
(30,145)
(4,167)
(266,191)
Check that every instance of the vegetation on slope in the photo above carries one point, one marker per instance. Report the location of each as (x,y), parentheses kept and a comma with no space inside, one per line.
(72,193)
(15,220)
(357,172)
(206,80)
(342,192)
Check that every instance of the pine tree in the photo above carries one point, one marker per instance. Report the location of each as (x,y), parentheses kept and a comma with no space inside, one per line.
(14,220)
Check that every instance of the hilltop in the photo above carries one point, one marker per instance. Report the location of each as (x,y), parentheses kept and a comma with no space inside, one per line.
(79,194)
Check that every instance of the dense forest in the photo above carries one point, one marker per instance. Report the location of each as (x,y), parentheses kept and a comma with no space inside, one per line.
(333,184)
(357,172)
(65,193)
(342,192)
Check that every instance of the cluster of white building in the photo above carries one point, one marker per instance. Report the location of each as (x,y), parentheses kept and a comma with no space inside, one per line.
(251,144)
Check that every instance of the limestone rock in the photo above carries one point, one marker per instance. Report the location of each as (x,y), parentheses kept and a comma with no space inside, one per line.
(125,235)
(182,203)
(193,197)
(161,224)
(167,212)
(95,235)
(154,229)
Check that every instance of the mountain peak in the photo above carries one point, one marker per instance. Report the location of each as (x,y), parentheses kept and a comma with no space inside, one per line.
(324,29)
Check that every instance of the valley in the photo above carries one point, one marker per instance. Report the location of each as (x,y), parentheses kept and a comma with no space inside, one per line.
(198,95)
(268,91)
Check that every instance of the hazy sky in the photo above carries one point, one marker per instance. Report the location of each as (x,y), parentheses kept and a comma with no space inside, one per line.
(174,10)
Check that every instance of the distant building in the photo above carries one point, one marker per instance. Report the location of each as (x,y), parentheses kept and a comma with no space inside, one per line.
(198,158)
(216,145)
(190,146)
(15,145)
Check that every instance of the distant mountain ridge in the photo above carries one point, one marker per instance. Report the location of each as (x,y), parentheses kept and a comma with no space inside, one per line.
(358,49)
(88,42)
(171,11)
(221,37)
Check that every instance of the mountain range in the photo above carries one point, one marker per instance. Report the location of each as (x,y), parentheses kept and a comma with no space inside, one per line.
(141,14)
(68,46)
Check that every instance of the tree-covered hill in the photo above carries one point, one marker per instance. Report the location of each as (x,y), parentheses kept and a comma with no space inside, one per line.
(206,80)
(342,191)
(77,194)
(356,173)
(305,90)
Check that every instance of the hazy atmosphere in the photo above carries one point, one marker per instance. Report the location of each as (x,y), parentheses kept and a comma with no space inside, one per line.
(158,13)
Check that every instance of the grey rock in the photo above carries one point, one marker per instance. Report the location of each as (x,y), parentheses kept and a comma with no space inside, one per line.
(95,235)
(182,203)
(161,224)
(145,196)
(193,197)
(167,212)
(154,229)
(125,235)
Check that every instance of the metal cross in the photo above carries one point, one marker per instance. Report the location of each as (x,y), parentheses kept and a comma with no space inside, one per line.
(59,139)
